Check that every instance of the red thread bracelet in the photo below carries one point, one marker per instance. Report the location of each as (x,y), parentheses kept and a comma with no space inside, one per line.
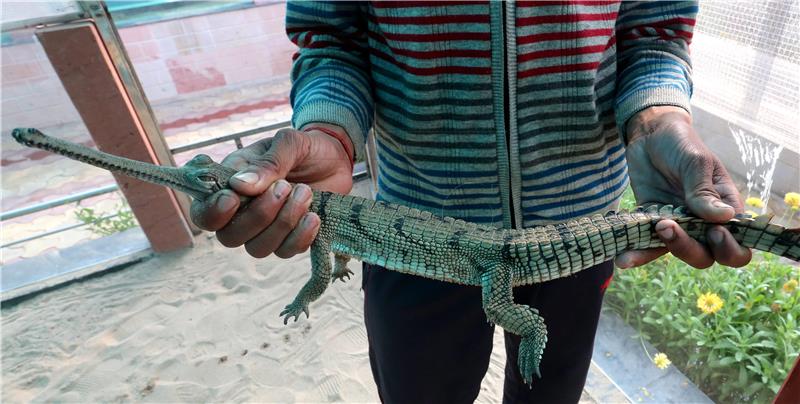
(347,144)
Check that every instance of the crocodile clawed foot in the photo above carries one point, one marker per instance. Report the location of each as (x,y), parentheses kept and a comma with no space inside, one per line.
(293,310)
(341,275)
(530,355)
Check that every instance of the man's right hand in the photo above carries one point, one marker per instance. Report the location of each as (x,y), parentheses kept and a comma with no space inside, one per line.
(276,220)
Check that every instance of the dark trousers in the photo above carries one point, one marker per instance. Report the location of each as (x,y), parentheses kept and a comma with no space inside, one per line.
(430,342)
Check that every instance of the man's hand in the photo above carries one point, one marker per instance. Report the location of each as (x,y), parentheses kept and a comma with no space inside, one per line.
(277,219)
(669,164)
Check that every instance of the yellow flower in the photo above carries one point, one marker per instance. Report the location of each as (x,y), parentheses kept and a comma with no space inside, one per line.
(793,200)
(661,360)
(755,202)
(790,286)
(709,303)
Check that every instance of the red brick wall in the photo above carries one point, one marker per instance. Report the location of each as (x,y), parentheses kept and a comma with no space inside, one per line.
(209,51)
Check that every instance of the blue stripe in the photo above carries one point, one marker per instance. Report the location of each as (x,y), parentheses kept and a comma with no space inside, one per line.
(634,85)
(569,166)
(323,93)
(298,81)
(345,102)
(659,13)
(663,85)
(657,65)
(385,163)
(442,173)
(567,180)
(439,204)
(312,93)
(582,188)
(665,73)
(388,178)
(575,214)
(682,83)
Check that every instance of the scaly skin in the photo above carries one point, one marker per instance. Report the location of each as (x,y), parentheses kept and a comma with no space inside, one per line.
(415,242)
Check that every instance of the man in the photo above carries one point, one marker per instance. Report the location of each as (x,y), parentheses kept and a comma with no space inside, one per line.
(506,114)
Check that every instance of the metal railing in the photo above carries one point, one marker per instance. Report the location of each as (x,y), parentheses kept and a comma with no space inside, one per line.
(359,171)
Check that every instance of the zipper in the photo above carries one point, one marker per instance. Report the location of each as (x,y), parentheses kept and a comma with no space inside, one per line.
(507,115)
(503,90)
(514,181)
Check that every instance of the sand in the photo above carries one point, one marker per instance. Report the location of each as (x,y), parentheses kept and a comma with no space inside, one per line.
(200,325)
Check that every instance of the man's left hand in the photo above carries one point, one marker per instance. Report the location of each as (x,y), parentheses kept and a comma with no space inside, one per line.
(669,164)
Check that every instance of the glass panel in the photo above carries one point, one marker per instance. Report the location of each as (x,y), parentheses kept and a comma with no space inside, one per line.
(746,61)
(212,74)
(32,96)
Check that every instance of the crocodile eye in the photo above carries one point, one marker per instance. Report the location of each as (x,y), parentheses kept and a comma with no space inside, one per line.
(206,178)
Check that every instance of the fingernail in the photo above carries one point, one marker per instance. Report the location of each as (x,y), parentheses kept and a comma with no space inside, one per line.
(226,201)
(247,177)
(722,205)
(716,236)
(308,220)
(667,234)
(279,188)
(301,193)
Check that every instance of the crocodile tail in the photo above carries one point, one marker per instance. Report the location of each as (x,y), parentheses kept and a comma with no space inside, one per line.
(758,233)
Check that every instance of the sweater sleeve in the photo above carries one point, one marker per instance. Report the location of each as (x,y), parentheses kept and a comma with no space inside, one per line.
(330,73)
(653,64)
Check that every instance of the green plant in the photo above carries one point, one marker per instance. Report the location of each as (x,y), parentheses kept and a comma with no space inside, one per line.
(743,351)
(628,202)
(122,219)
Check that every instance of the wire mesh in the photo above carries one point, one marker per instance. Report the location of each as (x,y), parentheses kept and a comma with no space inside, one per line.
(746,62)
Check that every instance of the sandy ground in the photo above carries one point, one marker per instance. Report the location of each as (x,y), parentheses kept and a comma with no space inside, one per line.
(199,325)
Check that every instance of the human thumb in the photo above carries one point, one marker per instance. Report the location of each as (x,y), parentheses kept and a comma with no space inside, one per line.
(272,160)
(702,198)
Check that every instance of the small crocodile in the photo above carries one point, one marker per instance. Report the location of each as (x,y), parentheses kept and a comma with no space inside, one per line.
(416,242)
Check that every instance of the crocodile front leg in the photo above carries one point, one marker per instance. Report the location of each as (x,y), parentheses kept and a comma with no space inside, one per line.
(520,319)
(316,284)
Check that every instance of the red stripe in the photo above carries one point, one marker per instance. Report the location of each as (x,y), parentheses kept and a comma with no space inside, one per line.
(672,24)
(558,36)
(673,21)
(549,53)
(408,4)
(432,71)
(432,19)
(565,18)
(538,71)
(445,36)
(307,38)
(565,3)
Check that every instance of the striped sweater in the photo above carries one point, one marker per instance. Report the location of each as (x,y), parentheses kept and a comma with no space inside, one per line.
(506,114)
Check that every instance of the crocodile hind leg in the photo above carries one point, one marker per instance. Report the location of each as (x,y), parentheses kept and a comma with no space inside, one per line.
(315,286)
(520,319)
(340,270)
